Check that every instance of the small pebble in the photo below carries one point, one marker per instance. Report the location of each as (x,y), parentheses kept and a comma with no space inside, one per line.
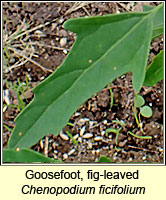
(158,126)
(53,26)
(144,158)
(6,70)
(98,151)
(89,144)
(105,147)
(102,133)
(91,124)
(93,152)
(62,33)
(42,78)
(155,136)
(114,158)
(82,131)
(122,144)
(110,136)
(38,32)
(61,20)
(160,149)
(55,157)
(55,151)
(6,97)
(54,145)
(76,136)
(87,135)
(153,125)
(83,120)
(65,156)
(150,104)
(80,139)
(98,138)
(63,42)
(123,76)
(130,159)
(41,144)
(64,136)
(105,122)
(77,114)
(71,152)
(65,51)
(4,108)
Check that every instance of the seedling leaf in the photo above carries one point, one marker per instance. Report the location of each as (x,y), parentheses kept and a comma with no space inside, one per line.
(154,71)
(139,101)
(146,111)
(26,156)
(106,47)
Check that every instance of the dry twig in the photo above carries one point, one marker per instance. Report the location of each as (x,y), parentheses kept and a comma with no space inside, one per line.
(19,53)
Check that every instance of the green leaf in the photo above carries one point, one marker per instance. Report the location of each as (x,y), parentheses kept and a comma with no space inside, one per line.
(157,21)
(104,159)
(154,71)
(139,101)
(157,32)
(147,8)
(106,47)
(146,111)
(26,156)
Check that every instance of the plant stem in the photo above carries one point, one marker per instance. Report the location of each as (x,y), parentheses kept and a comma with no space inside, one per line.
(135,111)
(111,97)
(9,129)
(139,136)
(71,137)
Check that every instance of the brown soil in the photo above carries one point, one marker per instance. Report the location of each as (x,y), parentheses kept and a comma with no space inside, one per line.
(95,115)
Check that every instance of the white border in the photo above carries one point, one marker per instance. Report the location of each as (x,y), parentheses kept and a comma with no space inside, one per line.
(83,164)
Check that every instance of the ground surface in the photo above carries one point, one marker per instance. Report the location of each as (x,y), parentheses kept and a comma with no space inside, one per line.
(42,47)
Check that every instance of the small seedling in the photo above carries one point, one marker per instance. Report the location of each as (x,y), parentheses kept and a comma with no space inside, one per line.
(145,111)
(20,88)
(117,148)
(139,137)
(117,131)
(74,141)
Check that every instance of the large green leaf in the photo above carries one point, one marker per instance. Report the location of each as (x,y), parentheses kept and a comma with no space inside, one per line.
(157,21)
(26,156)
(106,47)
(154,71)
